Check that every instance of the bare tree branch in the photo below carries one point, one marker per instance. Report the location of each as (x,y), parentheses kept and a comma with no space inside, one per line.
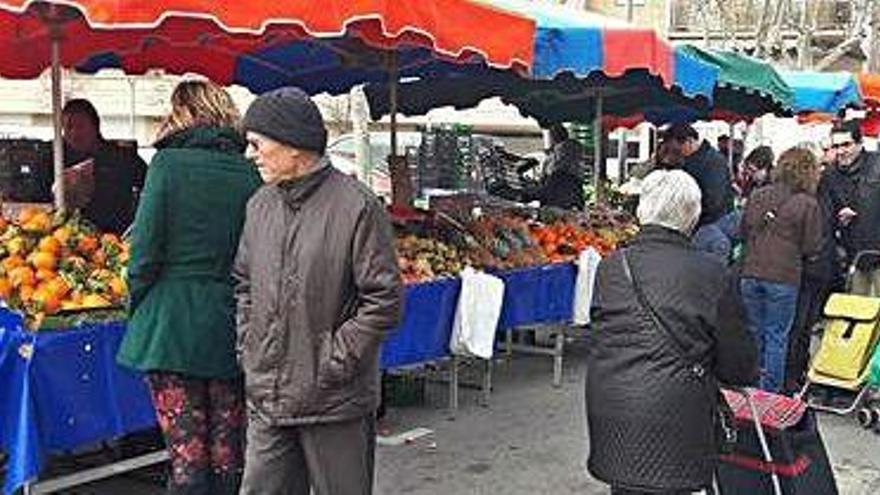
(838,52)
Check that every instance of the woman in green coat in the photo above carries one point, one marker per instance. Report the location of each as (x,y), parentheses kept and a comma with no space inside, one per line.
(181,329)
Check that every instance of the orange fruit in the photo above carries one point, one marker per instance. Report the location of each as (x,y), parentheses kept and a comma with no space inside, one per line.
(99,257)
(62,234)
(48,302)
(3,224)
(22,276)
(5,288)
(11,262)
(95,301)
(117,287)
(50,244)
(45,274)
(25,293)
(26,214)
(87,244)
(58,286)
(39,222)
(110,239)
(44,260)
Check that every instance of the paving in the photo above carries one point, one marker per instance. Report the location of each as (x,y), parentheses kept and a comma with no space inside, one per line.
(529,439)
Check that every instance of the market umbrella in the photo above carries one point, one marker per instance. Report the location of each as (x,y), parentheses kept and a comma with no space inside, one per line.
(329,45)
(824,92)
(579,56)
(869,86)
(746,87)
(585,65)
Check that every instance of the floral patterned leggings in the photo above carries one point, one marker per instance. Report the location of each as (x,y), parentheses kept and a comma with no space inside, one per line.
(202,421)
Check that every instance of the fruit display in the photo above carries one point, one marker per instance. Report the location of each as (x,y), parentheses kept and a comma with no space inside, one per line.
(422,259)
(50,264)
(505,242)
(564,241)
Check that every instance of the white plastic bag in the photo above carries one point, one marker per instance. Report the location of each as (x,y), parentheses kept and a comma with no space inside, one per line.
(588,263)
(477,314)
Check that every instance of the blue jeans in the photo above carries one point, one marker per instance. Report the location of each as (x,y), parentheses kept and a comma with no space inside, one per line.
(770,308)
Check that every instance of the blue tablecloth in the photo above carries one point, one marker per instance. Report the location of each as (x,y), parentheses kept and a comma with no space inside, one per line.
(62,390)
(534,295)
(423,336)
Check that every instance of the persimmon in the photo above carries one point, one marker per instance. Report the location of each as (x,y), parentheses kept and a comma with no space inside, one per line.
(22,276)
(49,244)
(44,260)
(5,288)
(87,244)
(11,262)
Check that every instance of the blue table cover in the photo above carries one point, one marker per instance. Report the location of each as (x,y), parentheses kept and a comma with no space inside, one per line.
(534,295)
(429,310)
(62,390)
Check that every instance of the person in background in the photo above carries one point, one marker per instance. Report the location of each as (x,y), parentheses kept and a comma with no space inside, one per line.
(563,182)
(850,189)
(318,288)
(181,328)
(782,226)
(816,280)
(651,386)
(118,172)
(756,171)
(708,167)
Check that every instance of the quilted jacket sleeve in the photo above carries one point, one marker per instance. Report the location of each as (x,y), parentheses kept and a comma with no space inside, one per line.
(736,358)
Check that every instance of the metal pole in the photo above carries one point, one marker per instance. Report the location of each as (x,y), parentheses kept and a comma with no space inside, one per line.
(730,147)
(629,10)
(133,110)
(597,151)
(394,75)
(58,142)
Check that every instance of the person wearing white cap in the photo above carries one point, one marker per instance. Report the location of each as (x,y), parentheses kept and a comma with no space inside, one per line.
(668,325)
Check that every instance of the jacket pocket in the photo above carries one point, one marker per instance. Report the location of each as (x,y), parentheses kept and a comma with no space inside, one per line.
(334,367)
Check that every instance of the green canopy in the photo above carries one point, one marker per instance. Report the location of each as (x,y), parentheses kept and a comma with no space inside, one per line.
(746,87)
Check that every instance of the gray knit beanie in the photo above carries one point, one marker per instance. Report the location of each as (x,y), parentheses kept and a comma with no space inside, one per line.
(290,117)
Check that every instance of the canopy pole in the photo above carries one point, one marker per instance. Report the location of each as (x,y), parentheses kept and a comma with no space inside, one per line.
(394,75)
(731,144)
(58,140)
(597,151)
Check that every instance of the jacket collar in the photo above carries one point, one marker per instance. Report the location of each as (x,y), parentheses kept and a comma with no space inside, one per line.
(295,192)
(204,137)
(656,234)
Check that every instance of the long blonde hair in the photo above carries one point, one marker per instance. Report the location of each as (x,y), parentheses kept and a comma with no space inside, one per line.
(197,103)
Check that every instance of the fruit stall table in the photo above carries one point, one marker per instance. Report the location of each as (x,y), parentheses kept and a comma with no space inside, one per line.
(62,390)
(539,296)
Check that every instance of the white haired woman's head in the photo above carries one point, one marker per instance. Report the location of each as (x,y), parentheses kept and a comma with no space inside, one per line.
(671,199)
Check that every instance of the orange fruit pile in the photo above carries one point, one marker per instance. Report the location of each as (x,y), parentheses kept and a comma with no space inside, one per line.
(49,264)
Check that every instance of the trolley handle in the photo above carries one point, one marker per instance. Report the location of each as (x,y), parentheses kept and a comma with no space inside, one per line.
(762,438)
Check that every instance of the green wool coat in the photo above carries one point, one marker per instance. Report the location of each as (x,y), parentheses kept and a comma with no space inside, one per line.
(184,239)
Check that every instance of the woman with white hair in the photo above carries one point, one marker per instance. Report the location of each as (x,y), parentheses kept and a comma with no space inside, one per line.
(668,326)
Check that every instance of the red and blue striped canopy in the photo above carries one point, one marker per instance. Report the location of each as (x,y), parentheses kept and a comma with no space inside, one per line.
(326,45)
(574,52)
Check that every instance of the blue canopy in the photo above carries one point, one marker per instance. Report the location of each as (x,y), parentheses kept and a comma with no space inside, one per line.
(826,92)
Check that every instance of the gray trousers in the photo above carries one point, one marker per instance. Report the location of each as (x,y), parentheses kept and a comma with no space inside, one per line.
(330,458)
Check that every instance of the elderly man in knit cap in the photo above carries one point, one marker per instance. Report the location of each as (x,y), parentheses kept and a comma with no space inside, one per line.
(318,288)
(668,324)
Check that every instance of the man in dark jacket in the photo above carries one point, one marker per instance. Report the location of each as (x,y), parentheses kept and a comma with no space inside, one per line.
(850,190)
(668,325)
(563,183)
(709,168)
(318,289)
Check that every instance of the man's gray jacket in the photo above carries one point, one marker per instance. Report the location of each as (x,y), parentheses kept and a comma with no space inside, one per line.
(318,288)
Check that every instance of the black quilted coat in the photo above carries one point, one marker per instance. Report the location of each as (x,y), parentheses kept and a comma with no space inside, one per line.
(651,416)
